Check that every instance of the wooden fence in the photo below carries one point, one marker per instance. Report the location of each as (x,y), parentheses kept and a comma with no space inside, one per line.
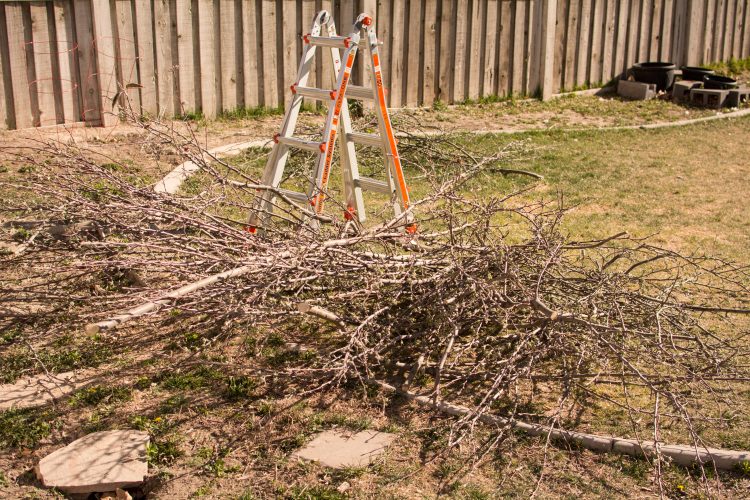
(65,61)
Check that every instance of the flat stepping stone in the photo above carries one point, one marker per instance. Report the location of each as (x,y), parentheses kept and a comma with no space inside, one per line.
(339,449)
(98,462)
(37,391)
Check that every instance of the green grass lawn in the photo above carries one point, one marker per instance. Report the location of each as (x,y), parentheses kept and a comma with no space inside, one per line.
(686,186)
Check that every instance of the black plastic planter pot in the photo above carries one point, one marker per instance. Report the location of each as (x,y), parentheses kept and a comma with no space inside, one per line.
(695,73)
(659,73)
(719,82)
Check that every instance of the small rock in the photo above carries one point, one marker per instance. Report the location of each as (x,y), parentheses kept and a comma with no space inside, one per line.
(118,494)
(295,347)
(343,487)
(123,495)
(102,461)
(339,449)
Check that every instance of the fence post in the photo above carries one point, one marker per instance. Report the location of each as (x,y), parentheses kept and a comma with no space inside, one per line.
(549,19)
(106,60)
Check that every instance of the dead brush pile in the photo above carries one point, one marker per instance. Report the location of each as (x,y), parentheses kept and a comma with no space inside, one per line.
(491,306)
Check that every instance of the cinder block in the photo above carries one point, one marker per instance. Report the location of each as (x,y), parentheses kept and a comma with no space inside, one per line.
(636,90)
(681,90)
(709,98)
(737,97)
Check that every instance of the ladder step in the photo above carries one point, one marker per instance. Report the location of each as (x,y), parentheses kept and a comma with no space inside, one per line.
(295,196)
(300,144)
(365,139)
(339,42)
(313,93)
(352,91)
(358,92)
(369,184)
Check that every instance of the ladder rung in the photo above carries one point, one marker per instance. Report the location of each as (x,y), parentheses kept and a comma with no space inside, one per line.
(300,144)
(358,92)
(352,91)
(372,185)
(295,196)
(339,42)
(365,139)
(313,93)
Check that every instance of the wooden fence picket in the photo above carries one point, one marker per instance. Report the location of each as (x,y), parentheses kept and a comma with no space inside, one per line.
(65,61)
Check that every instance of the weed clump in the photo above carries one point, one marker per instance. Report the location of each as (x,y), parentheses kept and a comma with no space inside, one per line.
(93,396)
(24,428)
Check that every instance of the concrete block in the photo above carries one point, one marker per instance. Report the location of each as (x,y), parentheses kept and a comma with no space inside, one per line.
(687,455)
(636,90)
(632,447)
(738,96)
(625,446)
(683,454)
(681,90)
(709,98)
(534,429)
(591,441)
(727,459)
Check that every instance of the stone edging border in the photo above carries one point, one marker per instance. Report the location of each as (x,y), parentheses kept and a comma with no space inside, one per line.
(680,454)
(171,183)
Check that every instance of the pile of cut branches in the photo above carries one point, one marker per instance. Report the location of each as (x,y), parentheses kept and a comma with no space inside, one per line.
(490,307)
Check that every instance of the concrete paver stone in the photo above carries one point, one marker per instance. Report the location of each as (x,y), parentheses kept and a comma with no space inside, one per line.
(37,390)
(337,449)
(97,462)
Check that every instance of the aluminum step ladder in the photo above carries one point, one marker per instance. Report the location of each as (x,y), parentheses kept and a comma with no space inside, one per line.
(323,34)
